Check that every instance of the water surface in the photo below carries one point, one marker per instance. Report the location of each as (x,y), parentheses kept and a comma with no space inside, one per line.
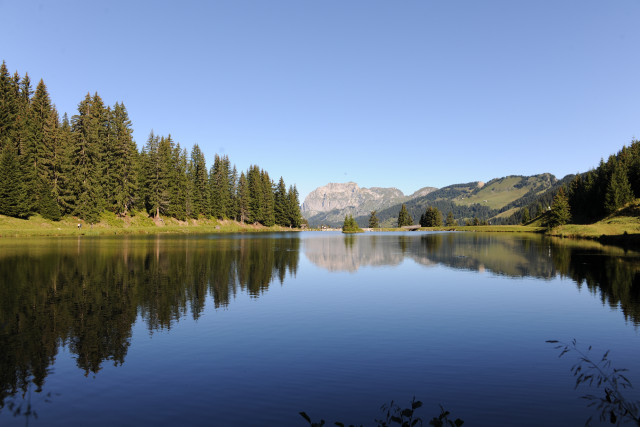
(252,329)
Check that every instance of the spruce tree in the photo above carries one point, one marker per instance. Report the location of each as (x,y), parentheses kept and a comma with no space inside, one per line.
(431,218)
(243,196)
(560,213)
(268,199)
(350,225)
(450,222)
(8,106)
(11,194)
(199,178)
(293,208)
(256,195)
(124,167)
(403,217)
(281,204)
(83,194)
(618,189)
(373,220)
(525,216)
(220,187)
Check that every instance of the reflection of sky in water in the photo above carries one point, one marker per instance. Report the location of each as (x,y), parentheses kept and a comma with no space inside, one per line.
(337,343)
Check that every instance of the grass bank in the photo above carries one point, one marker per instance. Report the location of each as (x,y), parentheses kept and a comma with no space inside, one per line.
(110,224)
(622,225)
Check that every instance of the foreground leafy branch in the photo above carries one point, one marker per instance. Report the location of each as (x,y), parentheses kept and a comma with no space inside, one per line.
(613,406)
(394,414)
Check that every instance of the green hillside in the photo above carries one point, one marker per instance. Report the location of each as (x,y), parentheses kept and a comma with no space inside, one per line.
(496,201)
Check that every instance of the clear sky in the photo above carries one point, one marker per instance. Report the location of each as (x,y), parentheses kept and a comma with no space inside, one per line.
(391,93)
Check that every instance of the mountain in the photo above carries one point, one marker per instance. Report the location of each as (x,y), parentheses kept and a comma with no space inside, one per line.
(330,203)
(496,200)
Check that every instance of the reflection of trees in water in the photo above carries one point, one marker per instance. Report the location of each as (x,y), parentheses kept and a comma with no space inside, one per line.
(616,278)
(607,269)
(87,297)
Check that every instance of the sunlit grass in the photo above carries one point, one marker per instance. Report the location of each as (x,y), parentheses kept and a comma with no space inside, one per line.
(111,224)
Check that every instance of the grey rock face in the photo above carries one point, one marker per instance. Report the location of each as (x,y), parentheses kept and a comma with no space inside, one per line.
(331,202)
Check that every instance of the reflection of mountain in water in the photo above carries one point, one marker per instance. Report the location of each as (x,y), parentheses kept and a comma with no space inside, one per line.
(609,270)
(349,252)
(87,294)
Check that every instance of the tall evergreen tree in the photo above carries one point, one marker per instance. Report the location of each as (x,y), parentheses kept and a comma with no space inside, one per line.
(618,189)
(220,186)
(199,178)
(373,220)
(8,107)
(268,208)
(560,213)
(83,193)
(293,208)
(156,160)
(125,161)
(281,203)
(431,218)
(11,194)
(243,199)
(450,222)
(403,217)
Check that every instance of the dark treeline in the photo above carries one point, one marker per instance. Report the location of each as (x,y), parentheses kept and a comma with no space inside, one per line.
(87,296)
(89,164)
(605,189)
(594,194)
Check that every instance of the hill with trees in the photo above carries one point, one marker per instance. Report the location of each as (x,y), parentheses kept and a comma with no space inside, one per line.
(494,201)
(88,164)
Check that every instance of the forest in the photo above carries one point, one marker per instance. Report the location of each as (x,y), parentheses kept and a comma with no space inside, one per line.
(90,164)
(593,195)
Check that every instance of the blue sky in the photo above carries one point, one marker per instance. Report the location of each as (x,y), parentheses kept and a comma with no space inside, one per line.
(402,94)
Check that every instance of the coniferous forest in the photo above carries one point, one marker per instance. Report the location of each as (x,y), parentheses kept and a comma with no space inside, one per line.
(89,164)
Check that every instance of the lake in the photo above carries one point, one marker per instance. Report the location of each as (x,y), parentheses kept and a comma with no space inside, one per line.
(252,329)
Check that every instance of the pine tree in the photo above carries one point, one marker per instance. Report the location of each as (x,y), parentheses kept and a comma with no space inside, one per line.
(232,207)
(403,217)
(373,220)
(11,194)
(38,145)
(350,225)
(125,161)
(293,208)
(220,187)
(256,195)
(431,218)
(83,193)
(618,191)
(269,201)
(560,213)
(281,204)
(8,107)
(199,178)
(243,197)
(178,184)
(156,172)
(525,216)
(450,222)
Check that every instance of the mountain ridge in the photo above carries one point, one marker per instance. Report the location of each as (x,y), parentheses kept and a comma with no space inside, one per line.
(329,204)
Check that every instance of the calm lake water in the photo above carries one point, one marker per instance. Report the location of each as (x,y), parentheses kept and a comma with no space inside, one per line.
(252,329)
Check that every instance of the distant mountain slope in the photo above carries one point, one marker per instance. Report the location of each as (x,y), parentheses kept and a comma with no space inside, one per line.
(497,200)
(330,203)
(474,199)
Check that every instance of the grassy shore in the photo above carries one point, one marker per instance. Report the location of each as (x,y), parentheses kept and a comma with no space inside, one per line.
(111,224)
